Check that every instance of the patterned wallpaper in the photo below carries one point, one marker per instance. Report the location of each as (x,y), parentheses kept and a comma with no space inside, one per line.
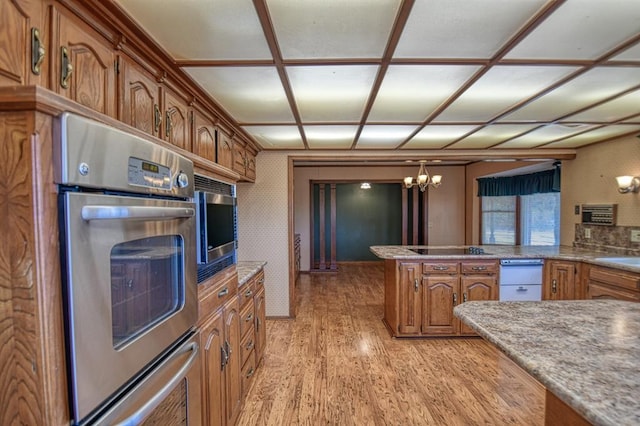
(263,227)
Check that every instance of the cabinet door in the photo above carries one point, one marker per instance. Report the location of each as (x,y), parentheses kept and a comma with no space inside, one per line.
(17,20)
(261,325)
(477,288)
(239,158)
(233,388)
(176,120)
(225,151)
(139,97)
(204,136)
(439,297)
(410,300)
(561,281)
(250,172)
(213,359)
(597,290)
(84,66)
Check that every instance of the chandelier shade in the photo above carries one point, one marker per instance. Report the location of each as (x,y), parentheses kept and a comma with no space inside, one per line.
(424,180)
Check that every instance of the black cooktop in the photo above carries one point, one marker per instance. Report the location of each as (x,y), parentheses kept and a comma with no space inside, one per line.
(449,251)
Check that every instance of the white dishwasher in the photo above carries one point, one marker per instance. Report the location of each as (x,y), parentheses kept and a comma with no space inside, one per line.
(521,279)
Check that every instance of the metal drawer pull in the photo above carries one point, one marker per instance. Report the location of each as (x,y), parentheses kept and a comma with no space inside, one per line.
(37,51)
(249,318)
(440,268)
(554,286)
(250,345)
(223,292)
(250,372)
(66,68)
(479,268)
(248,293)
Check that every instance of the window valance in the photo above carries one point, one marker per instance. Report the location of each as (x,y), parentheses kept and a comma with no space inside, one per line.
(533,183)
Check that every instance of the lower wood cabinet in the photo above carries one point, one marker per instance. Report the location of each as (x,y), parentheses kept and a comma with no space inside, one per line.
(561,280)
(420,297)
(607,283)
(260,317)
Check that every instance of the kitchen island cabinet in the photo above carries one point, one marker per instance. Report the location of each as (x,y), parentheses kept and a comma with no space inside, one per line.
(586,353)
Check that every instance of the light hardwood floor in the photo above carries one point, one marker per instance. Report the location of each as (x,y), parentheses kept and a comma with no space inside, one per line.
(336,364)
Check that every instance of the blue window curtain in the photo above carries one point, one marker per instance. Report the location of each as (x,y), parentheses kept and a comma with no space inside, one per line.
(533,183)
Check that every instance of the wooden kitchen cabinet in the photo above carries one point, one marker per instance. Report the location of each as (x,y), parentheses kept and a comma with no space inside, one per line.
(224,150)
(204,136)
(24,55)
(608,283)
(175,124)
(83,64)
(561,280)
(260,319)
(139,97)
(233,365)
(213,363)
(420,299)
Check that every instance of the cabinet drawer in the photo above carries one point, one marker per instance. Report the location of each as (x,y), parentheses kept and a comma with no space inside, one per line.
(247,318)
(597,291)
(440,268)
(246,293)
(482,267)
(618,279)
(247,345)
(247,374)
(215,297)
(259,281)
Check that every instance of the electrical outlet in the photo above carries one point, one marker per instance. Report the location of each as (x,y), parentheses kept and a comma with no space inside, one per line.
(587,233)
(635,236)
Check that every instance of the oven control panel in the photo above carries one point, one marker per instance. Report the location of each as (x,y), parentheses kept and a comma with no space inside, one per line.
(148,174)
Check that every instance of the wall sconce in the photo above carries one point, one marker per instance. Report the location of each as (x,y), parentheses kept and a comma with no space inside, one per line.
(628,184)
(423,180)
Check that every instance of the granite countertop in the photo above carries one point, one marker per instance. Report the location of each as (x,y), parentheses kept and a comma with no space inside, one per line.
(505,252)
(587,352)
(246,270)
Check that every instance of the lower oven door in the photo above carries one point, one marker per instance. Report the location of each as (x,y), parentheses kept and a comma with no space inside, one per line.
(131,289)
(168,395)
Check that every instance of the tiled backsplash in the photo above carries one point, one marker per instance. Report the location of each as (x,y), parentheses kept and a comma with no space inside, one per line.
(608,239)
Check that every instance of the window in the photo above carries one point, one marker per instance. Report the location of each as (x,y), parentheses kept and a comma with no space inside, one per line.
(521,220)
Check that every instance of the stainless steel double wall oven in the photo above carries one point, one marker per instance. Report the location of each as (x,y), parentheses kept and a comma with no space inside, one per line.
(129,264)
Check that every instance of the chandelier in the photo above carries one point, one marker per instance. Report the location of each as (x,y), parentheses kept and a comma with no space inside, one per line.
(424,180)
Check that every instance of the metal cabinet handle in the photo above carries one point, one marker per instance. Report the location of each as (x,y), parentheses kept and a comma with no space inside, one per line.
(157,118)
(249,345)
(554,286)
(168,124)
(464,297)
(455,299)
(248,293)
(37,51)
(257,323)
(223,292)
(250,372)
(249,318)
(151,213)
(223,357)
(440,268)
(415,284)
(66,68)
(479,268)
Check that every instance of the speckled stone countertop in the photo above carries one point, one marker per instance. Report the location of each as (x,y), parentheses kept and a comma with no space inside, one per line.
(246,270)
(505,252)
(587,352)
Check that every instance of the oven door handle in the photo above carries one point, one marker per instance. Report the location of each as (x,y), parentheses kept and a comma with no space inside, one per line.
(137,417)
(135,213)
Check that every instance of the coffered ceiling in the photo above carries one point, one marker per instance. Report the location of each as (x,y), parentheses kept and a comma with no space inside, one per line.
(441,75)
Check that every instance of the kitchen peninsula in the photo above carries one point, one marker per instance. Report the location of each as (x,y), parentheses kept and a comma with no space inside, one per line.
(423,284)
(586,353)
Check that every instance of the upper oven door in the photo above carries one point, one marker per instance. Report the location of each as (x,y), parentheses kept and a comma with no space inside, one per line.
(131,287)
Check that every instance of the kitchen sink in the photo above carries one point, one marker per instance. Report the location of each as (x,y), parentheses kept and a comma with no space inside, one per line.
(631,261)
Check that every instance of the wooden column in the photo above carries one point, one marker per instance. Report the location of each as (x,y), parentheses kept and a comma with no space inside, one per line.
(405,215)
(415,218)
(332,200)
(323,264)
(425,217)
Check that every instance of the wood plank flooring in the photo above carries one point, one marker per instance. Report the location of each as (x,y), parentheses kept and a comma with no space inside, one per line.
(336,364)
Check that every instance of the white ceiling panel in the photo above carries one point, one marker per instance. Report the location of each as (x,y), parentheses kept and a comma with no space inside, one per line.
(585,90)
(600,134)
(248,94)
(383,137)
(330,137)
(619,108)
(202,29)
(581,29)
(492,135)
(462,28)
(544,135)
(276,137)
(435,137)
(332,28)
(501,88)
(412,92)
(331,93)
(631,54)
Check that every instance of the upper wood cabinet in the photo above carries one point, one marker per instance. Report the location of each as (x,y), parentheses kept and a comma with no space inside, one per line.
(24,54)
(225,150)
(139,97)
(175,126)
(83,64)
(204,136)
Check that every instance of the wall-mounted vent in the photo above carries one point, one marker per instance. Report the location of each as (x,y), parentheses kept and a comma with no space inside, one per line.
(599,214)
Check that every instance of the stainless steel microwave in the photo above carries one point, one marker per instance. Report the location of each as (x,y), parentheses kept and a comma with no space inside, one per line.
(216,223)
